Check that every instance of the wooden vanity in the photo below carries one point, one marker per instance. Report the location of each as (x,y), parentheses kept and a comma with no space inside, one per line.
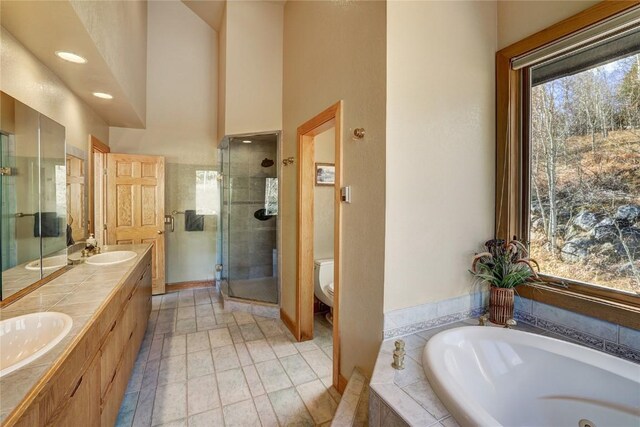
(86,384)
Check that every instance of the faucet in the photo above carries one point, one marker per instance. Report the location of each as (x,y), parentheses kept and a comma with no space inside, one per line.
(482,321)
(91,247)
(510,324)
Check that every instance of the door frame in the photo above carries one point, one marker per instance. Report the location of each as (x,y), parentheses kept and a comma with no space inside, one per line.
(330,117)
(95,147)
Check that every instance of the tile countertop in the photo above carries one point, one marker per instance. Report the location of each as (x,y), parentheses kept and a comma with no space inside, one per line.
(405,397)
(80,292)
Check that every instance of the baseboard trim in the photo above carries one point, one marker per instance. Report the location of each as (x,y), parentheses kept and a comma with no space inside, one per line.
(342,384)
(179,286)
(288,322)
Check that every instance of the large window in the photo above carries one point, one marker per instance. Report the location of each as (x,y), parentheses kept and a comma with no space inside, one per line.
(568,159)
(584,204)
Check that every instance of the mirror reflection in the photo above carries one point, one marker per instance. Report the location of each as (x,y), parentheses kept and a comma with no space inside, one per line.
(33,192)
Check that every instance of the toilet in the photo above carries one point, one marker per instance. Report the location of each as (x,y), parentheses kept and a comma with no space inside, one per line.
(323,283)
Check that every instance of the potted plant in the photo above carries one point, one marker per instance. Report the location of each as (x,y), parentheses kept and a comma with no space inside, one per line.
(504,265)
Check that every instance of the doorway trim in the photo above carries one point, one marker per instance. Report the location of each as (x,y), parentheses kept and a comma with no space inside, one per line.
(95,147)
(331,117)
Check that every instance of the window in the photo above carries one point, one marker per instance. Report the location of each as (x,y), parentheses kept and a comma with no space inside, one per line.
(568,159)
(584,163)
(207,192)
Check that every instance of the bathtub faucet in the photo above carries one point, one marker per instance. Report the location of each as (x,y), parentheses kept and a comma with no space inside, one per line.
(511,323)
(482,321)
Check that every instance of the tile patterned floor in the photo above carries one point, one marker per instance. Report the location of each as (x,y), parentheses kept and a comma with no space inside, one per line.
(200,365)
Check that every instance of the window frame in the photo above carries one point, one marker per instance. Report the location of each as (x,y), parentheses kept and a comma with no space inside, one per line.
(512,172)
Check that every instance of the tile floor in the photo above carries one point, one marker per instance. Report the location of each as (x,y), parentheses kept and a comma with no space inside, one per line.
(200,365)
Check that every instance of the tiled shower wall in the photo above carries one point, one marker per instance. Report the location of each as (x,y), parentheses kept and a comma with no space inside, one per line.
(190,255)
(251,242)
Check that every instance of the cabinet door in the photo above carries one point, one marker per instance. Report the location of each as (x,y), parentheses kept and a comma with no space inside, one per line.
(82,408)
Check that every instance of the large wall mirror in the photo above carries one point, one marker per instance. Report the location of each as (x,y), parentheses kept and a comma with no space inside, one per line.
(33,189)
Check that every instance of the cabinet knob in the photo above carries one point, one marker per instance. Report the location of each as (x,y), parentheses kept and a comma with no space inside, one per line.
(160,232)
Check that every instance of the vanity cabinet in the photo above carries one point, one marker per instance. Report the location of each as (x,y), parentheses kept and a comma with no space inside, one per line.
(86,387)
(120,348)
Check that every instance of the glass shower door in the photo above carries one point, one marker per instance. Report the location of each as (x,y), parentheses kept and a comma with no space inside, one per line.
(7,195)
(249,237)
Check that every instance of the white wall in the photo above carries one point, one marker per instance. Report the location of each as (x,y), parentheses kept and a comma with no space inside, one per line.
(181,89)
(324,146)
(440,146)
(253,67)
(333,51)
(26,79)
(519,19)
(119,30)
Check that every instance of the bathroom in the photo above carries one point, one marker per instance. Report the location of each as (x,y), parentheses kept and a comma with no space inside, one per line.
(421,182)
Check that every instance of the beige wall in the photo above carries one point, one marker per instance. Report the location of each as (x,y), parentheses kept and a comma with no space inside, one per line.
(26,79)
(253,67)
(334,51)
(440,146)
(323,198)
(119,30)
(181,89)
(519,19)
(181,126)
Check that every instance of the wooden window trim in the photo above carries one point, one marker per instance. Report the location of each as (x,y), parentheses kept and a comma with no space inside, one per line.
(512,147)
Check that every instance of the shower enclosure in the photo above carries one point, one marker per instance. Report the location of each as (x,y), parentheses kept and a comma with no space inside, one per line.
(248,246)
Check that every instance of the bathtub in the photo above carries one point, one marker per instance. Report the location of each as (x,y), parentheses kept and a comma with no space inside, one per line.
(488,376)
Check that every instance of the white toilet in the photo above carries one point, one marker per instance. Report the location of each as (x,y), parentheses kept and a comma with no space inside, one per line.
(323,282)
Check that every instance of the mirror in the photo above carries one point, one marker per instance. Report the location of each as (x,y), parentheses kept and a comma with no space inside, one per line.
(33,194)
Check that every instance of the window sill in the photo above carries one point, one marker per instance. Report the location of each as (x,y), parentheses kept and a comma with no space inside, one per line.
(624,313)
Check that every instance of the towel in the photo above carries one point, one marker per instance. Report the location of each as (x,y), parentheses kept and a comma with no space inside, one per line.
(47,222)
(192,221)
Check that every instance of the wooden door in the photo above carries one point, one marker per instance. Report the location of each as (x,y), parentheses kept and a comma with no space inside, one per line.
(135,206)
(75,197)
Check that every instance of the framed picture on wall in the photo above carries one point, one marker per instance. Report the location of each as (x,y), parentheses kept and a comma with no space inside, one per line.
(325,173)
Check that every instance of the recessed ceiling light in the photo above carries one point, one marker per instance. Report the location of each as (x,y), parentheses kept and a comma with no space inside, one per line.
(247,141)
(71,57)
(102,95)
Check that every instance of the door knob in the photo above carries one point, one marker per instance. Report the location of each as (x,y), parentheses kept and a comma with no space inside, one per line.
(160,232)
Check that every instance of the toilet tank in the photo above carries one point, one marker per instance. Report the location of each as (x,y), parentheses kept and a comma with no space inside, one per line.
(323,271)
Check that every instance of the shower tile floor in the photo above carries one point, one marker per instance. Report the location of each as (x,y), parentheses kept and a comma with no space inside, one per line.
(200,365)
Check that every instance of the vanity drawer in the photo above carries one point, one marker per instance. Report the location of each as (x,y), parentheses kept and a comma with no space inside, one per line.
(82,406)
(115,344)
(114,394)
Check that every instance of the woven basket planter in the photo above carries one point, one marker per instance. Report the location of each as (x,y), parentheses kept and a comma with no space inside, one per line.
(501,302)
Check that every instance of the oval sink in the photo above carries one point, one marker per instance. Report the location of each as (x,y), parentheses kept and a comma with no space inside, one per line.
(110,258)
(25,338)
(50,263)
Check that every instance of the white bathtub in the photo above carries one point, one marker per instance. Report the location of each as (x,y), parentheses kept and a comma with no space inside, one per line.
(489,376)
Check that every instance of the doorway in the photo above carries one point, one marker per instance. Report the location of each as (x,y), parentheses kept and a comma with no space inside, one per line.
(313,174)
(126,204)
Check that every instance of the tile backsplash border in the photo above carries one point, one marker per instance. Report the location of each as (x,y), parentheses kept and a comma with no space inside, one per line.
(427,316)
(613,339)
(610,338)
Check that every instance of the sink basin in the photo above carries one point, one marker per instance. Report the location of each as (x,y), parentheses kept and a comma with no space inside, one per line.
(25,338)
(50,263)
(111,258)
